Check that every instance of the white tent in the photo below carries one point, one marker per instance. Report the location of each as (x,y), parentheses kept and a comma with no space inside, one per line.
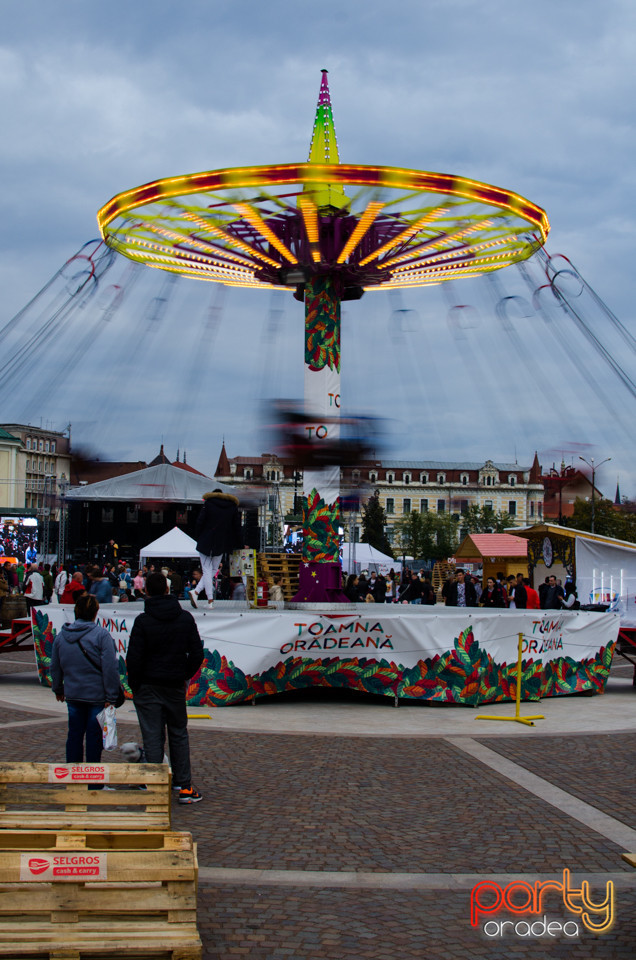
(362,556)
(163,483)
(175,543)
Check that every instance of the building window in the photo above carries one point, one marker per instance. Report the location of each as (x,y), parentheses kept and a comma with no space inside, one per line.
(423,506)
(487,504)
(441,506)
(156,516)
(406,505)
(46,446)
(28,464)
(389,534)
(463,506)
(52,446)
(407,477)
(107,515)
(390,477)
(28,443)
(532,508)
(423,477)
(512,508)
(540,509)
(271,503)
(390,505)
(132,515)
(441,478)
(464,479)
(373,477)
(41,446)
(512,480)
(247,473)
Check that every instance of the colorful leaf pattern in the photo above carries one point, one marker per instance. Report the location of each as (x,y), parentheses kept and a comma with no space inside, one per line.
(322,325)
(320,528)
(467,674)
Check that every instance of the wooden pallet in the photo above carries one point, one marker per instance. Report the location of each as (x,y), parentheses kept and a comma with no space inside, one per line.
(42,796)
(285,565)
(84,894)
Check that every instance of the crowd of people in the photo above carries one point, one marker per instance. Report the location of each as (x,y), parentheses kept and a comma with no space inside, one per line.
(461,589)
(43,583)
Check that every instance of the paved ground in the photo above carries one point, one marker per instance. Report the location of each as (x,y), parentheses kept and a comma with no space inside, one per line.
(336,828)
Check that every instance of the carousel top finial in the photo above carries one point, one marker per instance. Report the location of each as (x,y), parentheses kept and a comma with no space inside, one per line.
(324,148)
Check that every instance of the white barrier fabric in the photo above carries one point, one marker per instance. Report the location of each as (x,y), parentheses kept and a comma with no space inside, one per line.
(449,654)
(606,573)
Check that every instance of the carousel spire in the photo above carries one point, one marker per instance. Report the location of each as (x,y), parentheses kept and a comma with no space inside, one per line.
(324,149)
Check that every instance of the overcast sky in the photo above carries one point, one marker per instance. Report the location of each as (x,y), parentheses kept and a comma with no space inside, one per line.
(537,98)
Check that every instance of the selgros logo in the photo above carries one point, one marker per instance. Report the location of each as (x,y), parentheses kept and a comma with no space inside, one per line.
(78,773)
(63,866)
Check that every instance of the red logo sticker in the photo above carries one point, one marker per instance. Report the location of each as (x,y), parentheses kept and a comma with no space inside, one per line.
(36,865)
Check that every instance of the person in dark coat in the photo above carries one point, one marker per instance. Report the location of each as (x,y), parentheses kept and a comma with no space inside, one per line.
(492,595)
(164,652)
(553,596)
(461,592)
(218,531)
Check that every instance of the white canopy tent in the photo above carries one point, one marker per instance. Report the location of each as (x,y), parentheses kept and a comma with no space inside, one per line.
(173,544)
(362,556)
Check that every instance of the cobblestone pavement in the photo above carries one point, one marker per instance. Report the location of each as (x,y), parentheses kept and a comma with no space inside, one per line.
(370,846)
(580,766)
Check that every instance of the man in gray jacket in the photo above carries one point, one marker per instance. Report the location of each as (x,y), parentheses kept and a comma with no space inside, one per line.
(85,673)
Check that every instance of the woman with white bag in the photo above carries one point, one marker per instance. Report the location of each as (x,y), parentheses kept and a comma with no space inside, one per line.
(85,674)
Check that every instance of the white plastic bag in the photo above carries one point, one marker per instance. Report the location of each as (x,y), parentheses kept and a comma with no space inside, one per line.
(107,720)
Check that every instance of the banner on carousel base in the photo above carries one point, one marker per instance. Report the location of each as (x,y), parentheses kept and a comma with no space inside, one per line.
(458,656)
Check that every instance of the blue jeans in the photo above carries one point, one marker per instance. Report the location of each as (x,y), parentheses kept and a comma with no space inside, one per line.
(82,722)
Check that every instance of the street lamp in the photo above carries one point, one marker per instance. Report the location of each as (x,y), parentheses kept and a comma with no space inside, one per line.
(594,467)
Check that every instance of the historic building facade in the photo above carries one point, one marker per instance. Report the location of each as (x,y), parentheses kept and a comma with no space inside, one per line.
(35,467)
(435,486)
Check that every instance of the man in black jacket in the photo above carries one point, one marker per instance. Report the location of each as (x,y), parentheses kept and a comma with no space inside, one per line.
(164,652)
(461,593)
(218,531)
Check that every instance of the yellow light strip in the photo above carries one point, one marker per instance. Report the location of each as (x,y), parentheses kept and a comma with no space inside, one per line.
(441,243)
(401,237)
(309,211)
(233,241)
(362,227)
(453,254)
(259,224)
(168,254)
(191,242)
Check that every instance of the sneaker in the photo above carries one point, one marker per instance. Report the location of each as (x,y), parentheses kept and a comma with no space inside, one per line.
(189,795)
(193,600)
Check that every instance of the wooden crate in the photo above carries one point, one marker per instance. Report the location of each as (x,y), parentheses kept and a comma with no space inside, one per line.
(42,796)
(77,894)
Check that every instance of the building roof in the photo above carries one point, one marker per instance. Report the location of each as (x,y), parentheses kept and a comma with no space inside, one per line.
(186,466)
(5,435)
(554,530)
(162,483)
(447,465)
(160,458)
(492,545)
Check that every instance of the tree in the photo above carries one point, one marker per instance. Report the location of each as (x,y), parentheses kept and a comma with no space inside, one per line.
(373,524)
(430,535)
(608,521)
(478,519)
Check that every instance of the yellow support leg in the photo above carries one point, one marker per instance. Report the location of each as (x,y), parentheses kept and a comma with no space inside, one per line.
(529,721)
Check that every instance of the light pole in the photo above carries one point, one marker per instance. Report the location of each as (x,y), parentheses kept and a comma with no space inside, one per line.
(594,467)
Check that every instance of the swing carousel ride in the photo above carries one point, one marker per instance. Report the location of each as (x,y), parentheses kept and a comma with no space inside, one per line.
(330,232)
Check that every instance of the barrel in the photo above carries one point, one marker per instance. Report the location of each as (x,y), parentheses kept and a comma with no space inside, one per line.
(14,607)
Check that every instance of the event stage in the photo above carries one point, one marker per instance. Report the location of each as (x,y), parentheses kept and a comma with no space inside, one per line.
(447,655)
